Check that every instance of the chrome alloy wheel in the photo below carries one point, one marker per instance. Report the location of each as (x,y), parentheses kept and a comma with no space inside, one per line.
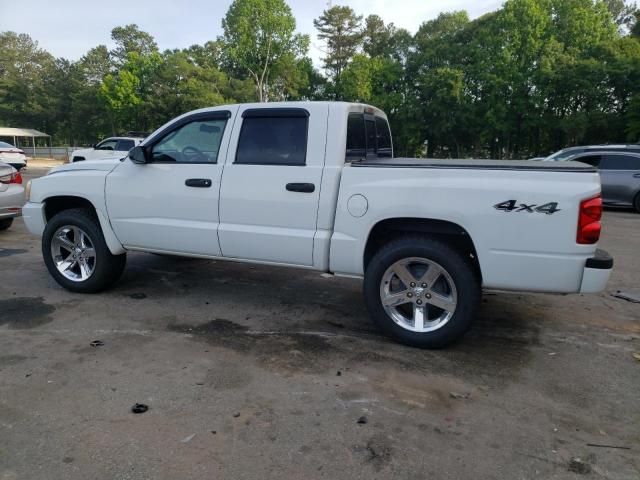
(418,294)
(73,253)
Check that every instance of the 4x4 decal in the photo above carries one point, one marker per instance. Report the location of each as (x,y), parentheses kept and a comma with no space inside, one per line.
(513,206)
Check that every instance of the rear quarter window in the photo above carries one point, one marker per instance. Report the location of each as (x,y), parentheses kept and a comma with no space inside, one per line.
(367,137)
(593,160)
(356,137)
(385,149)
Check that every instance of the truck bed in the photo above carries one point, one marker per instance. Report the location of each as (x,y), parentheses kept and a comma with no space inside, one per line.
(473,164)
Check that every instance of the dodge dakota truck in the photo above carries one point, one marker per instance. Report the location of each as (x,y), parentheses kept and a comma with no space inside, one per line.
(315,185)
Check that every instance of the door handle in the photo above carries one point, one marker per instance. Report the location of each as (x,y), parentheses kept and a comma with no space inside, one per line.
(301,187)
(198,182)
(637,175)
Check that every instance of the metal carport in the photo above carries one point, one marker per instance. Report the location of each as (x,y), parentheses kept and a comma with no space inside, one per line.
(17,133)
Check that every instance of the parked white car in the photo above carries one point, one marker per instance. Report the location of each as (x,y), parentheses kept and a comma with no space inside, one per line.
(11,195)
(314,185)
(109,148)
(12,156)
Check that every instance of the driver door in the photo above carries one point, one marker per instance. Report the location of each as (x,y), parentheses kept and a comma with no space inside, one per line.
(170,203)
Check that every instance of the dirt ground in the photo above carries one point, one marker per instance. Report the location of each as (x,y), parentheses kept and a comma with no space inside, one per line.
(252,372)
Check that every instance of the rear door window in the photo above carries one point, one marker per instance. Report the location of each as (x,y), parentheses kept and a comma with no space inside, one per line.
(125,145)
(277,138)
(620,162)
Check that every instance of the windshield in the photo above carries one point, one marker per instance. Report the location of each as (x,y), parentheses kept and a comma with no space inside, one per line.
(6,145)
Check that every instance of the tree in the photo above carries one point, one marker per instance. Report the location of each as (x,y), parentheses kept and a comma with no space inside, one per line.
(126,92)
(24,66)
(623,13)
(130,39)
(205,56)
(635,28)
(377,37)
(340,28)
(633,119)
(259,36)
(527,79)
(180,84)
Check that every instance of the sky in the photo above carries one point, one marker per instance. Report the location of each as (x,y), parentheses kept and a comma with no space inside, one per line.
(68,28)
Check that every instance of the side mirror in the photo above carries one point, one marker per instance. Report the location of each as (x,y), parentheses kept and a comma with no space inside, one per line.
(138,155)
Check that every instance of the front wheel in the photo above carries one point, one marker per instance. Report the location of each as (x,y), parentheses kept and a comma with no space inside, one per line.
(636,203)
(421,292)
(76,253)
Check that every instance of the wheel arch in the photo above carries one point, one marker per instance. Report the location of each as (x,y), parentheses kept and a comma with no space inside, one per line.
(636,201)
(58,203)
(446,231)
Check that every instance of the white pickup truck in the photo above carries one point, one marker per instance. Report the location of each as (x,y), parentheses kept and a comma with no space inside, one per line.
(315,185)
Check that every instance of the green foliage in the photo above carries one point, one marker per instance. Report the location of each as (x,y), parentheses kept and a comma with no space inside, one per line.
(623,13)
(633,119)
(130,39)
(259,38)
(339,27)
(528,79)
(24,66)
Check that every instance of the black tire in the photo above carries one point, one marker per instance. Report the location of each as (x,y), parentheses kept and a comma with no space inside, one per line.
(5,223)
(636,202)
(459,268)
(108,267)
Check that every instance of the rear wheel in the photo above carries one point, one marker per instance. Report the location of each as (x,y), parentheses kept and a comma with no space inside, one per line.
(6,223)
(76,253)
(421,291)
(636,202)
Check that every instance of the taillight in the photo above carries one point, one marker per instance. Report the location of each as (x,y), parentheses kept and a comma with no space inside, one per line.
(13,177)
(589,226)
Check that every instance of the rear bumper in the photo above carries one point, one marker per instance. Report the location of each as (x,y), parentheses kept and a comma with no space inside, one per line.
(11,201)
(9,212)
(34,218)
(597,271)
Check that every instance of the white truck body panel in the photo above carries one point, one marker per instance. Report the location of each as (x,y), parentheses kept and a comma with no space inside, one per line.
(85,180)
(151,208)
(259,218)
(248,214)
(516,251)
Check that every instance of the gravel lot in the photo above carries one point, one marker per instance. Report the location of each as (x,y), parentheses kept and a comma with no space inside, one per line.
(252,372)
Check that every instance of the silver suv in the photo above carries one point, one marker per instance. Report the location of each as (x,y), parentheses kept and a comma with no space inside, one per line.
(568,153)
(619,174)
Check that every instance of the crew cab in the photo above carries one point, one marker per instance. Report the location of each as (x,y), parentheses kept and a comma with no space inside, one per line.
(315,185)
(109,148)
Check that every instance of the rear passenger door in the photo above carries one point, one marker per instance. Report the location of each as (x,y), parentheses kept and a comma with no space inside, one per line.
(271,187)
(617,174)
